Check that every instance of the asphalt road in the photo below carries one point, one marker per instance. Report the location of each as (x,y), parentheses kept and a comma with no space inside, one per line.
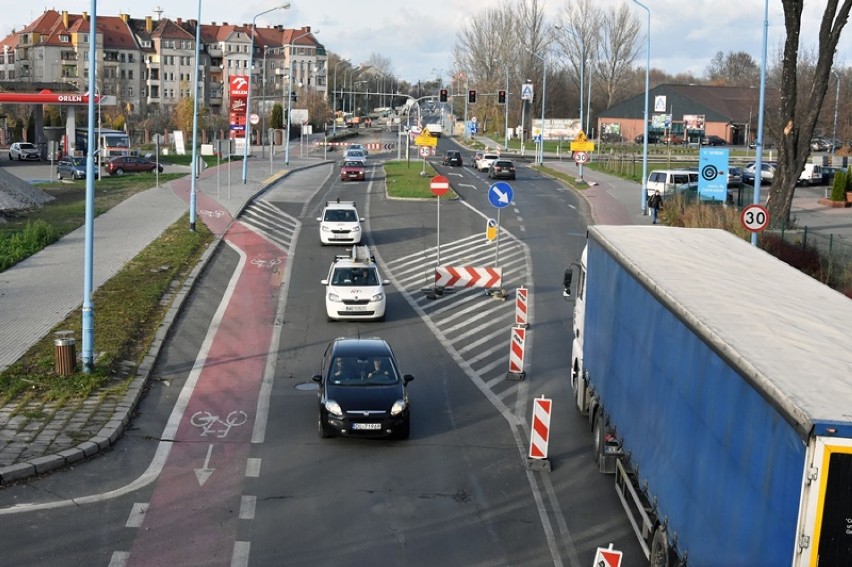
(457,492)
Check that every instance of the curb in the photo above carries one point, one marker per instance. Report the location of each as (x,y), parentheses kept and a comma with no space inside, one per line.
(113,430)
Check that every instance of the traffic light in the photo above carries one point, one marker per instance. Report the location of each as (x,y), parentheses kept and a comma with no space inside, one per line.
(443,95)
(293,96)
(501,97)
(471,96)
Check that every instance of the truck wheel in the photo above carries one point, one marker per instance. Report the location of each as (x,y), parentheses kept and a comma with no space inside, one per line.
(598,433)
(660,555)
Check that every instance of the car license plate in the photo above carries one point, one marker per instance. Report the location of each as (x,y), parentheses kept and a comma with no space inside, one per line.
(367,426)
(355,308)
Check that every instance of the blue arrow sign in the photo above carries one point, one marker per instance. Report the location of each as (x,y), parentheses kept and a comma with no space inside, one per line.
(500,194)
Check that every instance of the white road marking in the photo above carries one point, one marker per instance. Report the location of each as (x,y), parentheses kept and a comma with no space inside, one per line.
(253,467)
(137,515)
(248,505)
(240,557)
(119,558)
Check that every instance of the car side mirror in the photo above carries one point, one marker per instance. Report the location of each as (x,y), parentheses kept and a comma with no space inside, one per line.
(324,282)
(407,378)
(385,282)
(319,219)
(360,219)
(316,378)
(567,279)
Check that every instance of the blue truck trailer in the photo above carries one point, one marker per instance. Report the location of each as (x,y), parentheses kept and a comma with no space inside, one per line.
(717,381)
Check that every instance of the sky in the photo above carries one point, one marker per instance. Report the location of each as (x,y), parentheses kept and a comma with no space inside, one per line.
(418,37)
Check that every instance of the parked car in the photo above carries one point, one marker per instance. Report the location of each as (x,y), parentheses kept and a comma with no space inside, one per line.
(713,141)
(735,176)
(766,175)
(131,164)
(24,151)
(671,181)
(73,167)
(362,392)
(452,157)
(652,138)
(501,169)
(352,170)
(672,139)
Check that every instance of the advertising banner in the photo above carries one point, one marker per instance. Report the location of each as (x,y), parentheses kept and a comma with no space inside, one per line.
(713,178)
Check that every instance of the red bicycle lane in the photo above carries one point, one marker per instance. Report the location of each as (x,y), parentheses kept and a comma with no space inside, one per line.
(193,514)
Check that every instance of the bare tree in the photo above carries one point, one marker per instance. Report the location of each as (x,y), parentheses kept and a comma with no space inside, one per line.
(798,116)
(735,68)
(578,34)
(619,48)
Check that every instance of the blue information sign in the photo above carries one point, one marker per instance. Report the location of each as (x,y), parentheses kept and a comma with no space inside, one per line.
(713,174)
(500,194)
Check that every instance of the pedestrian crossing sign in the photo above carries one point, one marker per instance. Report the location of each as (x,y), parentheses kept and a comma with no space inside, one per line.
(527,91)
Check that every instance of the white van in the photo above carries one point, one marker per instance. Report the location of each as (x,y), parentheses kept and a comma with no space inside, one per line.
(671,181)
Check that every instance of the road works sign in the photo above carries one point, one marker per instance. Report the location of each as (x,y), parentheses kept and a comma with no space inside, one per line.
(426,139)
(468,276)
(581,144)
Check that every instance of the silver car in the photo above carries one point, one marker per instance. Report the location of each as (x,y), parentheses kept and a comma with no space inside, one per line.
(73,167)
(24,151)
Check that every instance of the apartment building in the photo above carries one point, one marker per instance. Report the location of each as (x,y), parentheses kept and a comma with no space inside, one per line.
(147,63)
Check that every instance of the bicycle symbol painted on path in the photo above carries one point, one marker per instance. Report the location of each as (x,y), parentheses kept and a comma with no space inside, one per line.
(212,214)
(260,263)
(210,423)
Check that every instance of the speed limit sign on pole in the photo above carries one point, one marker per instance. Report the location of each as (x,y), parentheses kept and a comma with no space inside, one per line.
(581,157)
(755,218)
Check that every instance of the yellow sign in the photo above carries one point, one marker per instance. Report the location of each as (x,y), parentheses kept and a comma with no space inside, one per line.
(581,137)
(582,146)
(426,139)
(491,229)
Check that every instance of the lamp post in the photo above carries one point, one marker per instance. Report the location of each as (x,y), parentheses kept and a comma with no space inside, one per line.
(836,104)
(334,99)
(193,184)
(248,95)
(643,200)
(290,94)
(758,152)
(540,157)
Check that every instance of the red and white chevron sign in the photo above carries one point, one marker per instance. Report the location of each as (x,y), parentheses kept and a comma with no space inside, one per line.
(516,352)
(468,276)
(521,318)
(540,430)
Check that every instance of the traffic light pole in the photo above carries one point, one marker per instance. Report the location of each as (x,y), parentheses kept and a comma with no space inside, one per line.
(506,114)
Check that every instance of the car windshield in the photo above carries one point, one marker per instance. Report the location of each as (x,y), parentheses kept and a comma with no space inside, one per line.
(26,146)
(355,277)
(78,161)
(362,371)
(340,215)
(352,164)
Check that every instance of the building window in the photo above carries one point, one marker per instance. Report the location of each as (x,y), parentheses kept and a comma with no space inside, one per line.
(129,91)
(130,73)
(64,38)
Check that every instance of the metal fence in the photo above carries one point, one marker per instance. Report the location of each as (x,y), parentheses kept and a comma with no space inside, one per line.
(835,254)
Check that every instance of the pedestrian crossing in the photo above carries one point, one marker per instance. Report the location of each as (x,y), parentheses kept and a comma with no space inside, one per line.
(271,221)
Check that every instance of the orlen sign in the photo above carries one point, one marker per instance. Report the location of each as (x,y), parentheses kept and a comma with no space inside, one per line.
(239,86)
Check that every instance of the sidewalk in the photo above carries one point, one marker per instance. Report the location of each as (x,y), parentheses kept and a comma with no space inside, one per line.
(39,292)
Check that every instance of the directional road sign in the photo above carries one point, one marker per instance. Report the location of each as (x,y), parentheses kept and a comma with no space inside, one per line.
(500,194)
(491,229)
(755,218)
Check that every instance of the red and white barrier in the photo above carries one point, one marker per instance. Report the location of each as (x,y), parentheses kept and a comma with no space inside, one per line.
(521,313)
(540,430)
(516,353)
(607,557)
(468,276)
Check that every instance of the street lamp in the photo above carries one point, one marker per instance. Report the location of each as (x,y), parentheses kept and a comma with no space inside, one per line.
(247,131)
(543,101)
(193,183)
(643,200)
(334,98)
(758,156)
(836,104)
(290,94)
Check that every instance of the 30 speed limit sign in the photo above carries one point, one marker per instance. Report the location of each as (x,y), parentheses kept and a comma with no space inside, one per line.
(755,218)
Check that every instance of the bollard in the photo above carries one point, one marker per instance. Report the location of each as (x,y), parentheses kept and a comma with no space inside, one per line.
(65,352)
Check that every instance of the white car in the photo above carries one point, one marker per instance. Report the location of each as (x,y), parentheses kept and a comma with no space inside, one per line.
(360,148)
(485,161)
(340,223)
(24,151)
(355,155)
(354,288)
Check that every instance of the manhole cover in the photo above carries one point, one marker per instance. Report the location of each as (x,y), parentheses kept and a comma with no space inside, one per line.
(307,386)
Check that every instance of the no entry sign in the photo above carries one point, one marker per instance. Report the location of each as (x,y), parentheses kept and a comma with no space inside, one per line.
(439,185)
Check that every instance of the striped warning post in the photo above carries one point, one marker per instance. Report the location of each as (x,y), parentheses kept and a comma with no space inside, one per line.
(516,353)
(540,430)
(521,312)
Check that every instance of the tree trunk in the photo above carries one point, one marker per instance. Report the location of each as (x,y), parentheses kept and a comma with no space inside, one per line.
(799,116)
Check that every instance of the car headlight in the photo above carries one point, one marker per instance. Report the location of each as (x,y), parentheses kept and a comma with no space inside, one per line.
(397,408)
(356,229)
(325,228)
(333,408)
(333,297)
(378,297)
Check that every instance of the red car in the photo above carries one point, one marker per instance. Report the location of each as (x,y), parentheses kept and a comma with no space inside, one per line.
(352,170)
(127,164)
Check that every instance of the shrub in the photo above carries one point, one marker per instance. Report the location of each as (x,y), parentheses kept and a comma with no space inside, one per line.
(838,190)
(22,244)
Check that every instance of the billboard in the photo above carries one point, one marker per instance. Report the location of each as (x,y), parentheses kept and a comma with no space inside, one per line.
(557,128)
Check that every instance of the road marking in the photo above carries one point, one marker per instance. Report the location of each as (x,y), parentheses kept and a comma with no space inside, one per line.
(248,505)
(205,472)
(467,185)
(213,423)
(240,557)
(119,558)
(253,467)
(137,515)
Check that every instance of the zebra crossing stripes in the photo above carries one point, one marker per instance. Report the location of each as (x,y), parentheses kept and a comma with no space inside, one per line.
(271,221)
